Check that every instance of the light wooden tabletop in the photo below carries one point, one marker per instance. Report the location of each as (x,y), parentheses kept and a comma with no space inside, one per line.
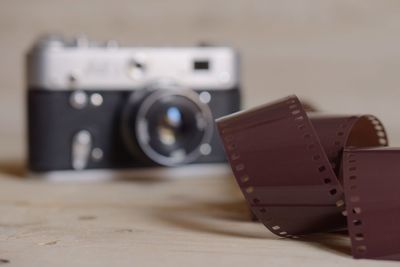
(187,221)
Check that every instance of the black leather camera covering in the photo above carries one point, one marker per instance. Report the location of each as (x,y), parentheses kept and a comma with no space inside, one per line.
(52,123)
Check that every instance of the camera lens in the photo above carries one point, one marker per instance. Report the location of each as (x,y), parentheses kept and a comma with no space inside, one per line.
(168,126)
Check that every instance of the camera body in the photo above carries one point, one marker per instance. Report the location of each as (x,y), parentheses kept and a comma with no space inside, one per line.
(101,106)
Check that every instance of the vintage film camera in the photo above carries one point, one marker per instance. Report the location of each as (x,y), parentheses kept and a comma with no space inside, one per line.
(101,106)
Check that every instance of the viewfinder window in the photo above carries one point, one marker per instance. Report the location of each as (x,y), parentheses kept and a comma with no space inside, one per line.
(201,65)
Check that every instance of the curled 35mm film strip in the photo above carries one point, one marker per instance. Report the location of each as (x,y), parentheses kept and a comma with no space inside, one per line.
(288,165)
(372,189)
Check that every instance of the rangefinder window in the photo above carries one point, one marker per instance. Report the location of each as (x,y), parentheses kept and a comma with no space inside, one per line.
(201,65)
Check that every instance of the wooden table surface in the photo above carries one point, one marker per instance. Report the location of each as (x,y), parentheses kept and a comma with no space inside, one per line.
(186,221)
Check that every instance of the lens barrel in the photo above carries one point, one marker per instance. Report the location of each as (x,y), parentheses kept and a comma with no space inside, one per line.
(166,125)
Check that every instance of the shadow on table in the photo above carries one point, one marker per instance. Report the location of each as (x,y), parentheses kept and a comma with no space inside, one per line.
(233,218)
(149,175)
(18,169)
(224,213)
(222,218)
(338,243)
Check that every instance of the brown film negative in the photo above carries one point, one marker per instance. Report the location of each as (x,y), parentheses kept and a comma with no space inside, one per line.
(288,163)
(372,189)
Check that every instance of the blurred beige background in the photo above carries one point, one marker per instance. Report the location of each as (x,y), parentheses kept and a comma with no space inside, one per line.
(343,56)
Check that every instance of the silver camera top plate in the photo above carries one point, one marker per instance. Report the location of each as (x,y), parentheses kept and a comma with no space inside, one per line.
(56,64)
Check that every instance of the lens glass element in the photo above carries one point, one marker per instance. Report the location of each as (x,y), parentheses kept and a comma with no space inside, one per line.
(171,127)
(175,126)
